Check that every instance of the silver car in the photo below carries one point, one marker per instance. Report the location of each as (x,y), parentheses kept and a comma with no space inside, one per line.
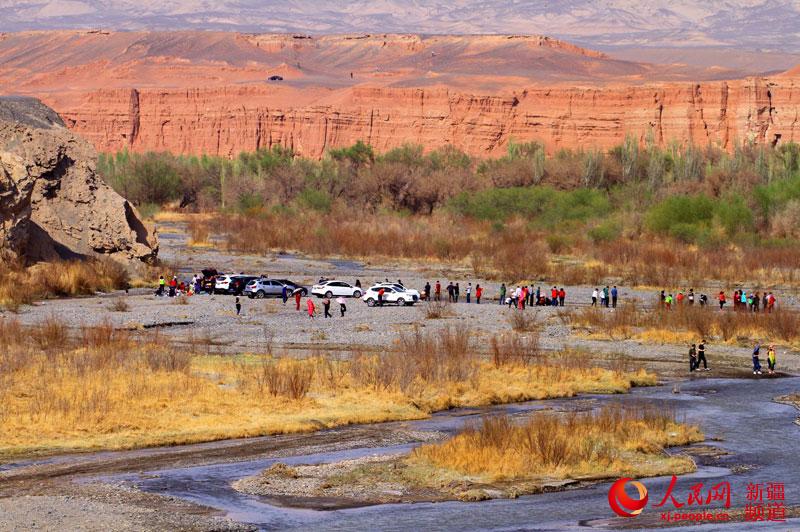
(261,288)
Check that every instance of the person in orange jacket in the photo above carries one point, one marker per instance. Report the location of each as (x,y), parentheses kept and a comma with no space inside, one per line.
(311,308)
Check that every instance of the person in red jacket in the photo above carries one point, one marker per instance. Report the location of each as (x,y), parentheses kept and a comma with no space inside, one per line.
(478,294)
(562,295)
(311,308)
(721,300)
(297,297)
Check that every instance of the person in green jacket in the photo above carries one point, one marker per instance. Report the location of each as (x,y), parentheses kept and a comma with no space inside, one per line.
(502,293)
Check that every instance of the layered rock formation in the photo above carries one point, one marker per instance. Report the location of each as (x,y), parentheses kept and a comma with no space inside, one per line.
(52,203)
(228,120)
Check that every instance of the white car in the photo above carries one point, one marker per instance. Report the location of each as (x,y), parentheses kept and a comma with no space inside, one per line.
(335,289)
(391,294)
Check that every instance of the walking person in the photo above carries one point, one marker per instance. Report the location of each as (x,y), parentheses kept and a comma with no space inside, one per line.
(668,302)
(771,359)
(342,305)
(701,356)
(614,294)
(326,306)
(478,294)
(692,358)
(503,294)
(311,308)
(238,306)
(594,298)
(722,301)
(756,362)
(603,297)
(285,294)
(297,297)
(468,291)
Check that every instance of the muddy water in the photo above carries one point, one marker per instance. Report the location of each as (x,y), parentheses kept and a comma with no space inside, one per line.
(757,432)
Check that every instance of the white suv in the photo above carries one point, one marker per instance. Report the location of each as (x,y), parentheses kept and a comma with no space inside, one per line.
(391,294)
(335,289)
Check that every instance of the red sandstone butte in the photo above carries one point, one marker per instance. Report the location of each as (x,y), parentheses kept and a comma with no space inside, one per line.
(154,91)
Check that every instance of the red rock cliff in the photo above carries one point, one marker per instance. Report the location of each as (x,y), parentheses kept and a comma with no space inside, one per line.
(227,120)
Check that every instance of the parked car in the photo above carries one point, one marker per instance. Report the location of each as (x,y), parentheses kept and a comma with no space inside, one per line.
(335,289)
(261,288)
(390,295)
(209,280)
(232,284)
(292,286)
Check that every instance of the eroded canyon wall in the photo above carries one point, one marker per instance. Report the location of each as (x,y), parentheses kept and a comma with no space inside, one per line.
(225,121)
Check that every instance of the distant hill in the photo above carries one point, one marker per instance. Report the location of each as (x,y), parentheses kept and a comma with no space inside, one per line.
(752,24)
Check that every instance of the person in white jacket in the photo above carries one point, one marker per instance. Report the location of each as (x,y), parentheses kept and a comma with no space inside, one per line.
(594,297)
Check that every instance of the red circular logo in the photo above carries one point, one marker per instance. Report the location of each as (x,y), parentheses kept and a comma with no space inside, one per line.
(621,503)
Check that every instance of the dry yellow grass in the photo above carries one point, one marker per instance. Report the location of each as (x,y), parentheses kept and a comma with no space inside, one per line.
(104,389)
(21,285)
(608,443)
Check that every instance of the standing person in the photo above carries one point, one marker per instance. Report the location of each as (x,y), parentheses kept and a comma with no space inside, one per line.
(607,293)
(311,308)
(743,300)
(538,295)
(161,284)
(173,286)
(427,291)
(238,306)
(438,291)
(662,299)
(771,359)
(512,298)
(692,358)
(503,293)
(701,356)
(358,283)
(468,291)
(523,297)
(764,302)
(680,299)
(614,294)
(594,297)
(381,291)
(722,301)
(478,294)
(603,297)
(451,292)
(326,306)
(342,306)
(554,296)
(297,297)
(285,293)
(691,297)
(756,362)
(456,292)
(770,302)
(756,302)
(562,295)
(668,302)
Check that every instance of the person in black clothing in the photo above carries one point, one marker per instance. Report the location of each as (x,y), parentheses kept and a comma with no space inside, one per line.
(427,292)
(451,292)
(358,283)
(692,358)
(238,306)
(326,305)
(456,292)
(701,356)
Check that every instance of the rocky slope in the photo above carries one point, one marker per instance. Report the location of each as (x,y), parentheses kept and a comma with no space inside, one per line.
(52,203)
(231,119)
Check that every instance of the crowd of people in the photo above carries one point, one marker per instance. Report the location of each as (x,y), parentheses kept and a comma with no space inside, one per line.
(742,300)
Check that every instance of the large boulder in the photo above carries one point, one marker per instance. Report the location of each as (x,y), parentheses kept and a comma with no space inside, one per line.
(52,202)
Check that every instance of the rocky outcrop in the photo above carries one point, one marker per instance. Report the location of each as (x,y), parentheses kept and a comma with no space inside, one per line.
(225,121)
(52,203)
